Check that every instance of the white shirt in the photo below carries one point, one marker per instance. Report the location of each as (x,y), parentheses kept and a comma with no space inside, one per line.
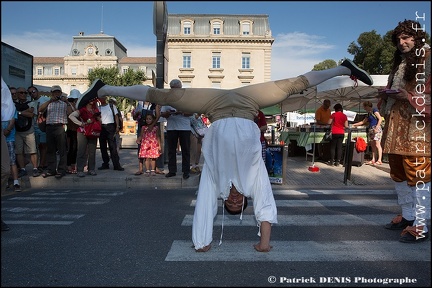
(106,114)
(7,105)
(176,122)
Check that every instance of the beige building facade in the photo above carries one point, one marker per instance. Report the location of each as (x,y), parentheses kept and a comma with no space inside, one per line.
(87,52)
(204,50)
(219,51)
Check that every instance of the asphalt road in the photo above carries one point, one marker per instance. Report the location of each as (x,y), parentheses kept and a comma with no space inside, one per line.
(102,237)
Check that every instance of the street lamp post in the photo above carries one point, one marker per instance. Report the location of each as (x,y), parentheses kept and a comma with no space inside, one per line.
(160,26)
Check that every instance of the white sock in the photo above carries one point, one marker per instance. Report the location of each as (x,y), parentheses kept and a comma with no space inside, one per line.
(422,206)
(317,77)
(405,199)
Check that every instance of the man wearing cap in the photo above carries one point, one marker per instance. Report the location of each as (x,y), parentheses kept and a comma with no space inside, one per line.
(25,138)
(57,112)
(40,136)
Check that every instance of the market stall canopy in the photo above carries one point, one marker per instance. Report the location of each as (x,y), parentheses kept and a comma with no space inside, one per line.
(298,101)
(339,89)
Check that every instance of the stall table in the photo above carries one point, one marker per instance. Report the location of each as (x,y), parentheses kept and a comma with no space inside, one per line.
(308,138)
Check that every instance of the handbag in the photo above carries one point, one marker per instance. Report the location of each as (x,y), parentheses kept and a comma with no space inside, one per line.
(199,129)
(41,122)
(92,129)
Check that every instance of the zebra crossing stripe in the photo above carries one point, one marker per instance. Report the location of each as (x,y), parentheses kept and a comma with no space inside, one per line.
(332,192)
(328,203)
(305,220)
(31,222)
(291,251)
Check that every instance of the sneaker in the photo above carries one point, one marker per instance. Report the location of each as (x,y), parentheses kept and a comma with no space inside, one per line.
(22,172)
(36,172)
(90,94)
(103,167)
(195,170)
(398,223)
(80,174)
(17,188)
(357,72)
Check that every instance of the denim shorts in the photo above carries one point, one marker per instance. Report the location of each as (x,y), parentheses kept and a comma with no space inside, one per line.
(40,136)
(12,155)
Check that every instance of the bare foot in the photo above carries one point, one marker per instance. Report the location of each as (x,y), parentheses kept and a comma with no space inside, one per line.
(260,249)
(204,249)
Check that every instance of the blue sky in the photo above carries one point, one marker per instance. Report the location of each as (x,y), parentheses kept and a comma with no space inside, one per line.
(305,32)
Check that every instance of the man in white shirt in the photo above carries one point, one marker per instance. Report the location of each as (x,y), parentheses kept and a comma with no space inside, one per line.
(110,126)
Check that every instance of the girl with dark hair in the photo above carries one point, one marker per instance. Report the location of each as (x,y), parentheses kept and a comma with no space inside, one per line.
(338,121)
(150,146)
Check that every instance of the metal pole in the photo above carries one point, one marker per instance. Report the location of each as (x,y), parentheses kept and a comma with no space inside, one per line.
(160,26)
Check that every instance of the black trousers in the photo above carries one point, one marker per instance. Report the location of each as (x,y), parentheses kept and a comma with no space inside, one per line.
(107,138)
(183,136)
(56,141)
(72,144)
(336,147)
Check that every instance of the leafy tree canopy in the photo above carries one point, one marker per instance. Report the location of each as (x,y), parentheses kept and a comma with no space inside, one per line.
(111,76)
(373,52)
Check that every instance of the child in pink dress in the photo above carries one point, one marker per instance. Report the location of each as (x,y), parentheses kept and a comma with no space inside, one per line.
(150,146)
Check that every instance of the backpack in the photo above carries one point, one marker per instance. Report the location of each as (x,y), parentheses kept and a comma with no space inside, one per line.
(382,120)
(119,117)
(360,144)
(23,123)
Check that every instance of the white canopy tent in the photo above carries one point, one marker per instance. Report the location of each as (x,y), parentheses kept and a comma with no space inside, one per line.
(339,89)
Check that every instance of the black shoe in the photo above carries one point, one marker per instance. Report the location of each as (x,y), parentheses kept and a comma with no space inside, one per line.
(4,226)
(90,94)
(60,175)
(104,167)
(17,188)
(186,176)
(407,237)
(22,172)
(336,164)
(330,163)
(399,223)
(170,174)
(119,168)
(357,72)
(36,172)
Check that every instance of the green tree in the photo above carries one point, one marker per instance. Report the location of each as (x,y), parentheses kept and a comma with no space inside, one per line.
(326,64)
(111,76)
(367,53)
